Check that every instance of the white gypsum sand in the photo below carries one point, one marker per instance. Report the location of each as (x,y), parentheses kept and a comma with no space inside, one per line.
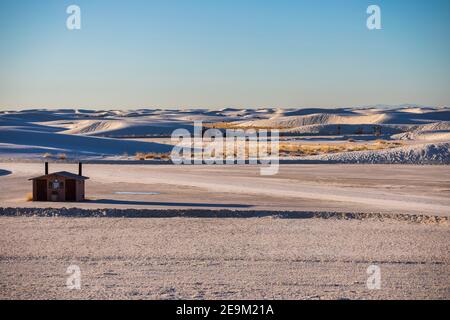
(117,134)
(225,232)
(192,258)
(408,189)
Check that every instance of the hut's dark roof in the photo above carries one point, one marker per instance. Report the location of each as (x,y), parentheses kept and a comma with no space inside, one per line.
(64,174)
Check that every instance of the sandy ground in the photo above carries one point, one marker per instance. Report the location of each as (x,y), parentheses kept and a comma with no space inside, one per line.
(231,258)
(405,189)
(264,258)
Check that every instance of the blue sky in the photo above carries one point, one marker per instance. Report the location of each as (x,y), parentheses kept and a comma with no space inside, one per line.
(221,53)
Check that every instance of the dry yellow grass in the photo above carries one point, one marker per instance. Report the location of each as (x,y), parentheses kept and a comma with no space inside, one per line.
(29,196)
(309,150)
(286,149)
(151,156)
(237,126)
(61,156)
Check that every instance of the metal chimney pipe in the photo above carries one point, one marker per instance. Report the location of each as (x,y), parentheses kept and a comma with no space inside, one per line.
(46,168)
(80,169)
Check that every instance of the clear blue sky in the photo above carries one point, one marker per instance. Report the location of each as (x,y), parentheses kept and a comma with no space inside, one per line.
(220,53)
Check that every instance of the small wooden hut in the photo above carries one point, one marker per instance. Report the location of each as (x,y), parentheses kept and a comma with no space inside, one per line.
(59,186)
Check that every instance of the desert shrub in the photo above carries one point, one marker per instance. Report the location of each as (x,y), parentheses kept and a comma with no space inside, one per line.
(141,156)
(61,156)
(309,150)
(377,131)
(234,125)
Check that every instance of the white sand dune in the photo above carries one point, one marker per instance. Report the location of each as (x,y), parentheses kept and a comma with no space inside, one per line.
(80,133)
(26,142)
(92,126)
(385,117)
(312,111)
(424,136)
(413,110)
(29,133)
(344,129)
(437,131)
(403,123)
(428,153)
(121,128)
(313,119)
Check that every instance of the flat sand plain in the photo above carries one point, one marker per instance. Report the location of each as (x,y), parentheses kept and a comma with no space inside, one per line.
(256,258)
(405,189)
(231,258)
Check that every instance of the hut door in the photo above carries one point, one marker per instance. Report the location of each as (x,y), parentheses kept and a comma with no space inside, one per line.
(41,190)
(71,190)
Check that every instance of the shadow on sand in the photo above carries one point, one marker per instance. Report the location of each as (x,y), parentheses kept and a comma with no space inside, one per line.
(169,204)
(4,172)
(211,213)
